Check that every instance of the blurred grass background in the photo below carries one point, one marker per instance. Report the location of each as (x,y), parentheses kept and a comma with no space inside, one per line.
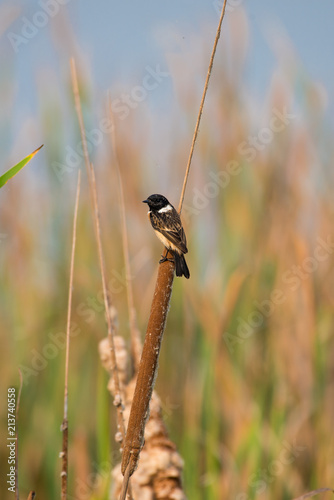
(247,385)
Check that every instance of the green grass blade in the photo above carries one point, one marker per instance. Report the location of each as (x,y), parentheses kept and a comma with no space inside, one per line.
(14,170)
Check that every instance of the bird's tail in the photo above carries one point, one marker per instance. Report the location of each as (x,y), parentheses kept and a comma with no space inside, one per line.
(181,268)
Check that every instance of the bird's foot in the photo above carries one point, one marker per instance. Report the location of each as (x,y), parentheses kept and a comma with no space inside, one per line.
(164,259)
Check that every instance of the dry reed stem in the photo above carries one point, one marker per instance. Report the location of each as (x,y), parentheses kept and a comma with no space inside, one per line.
(125,484)
(110,323)
(313,493)
(139,413)
(31,495)
(106,295)
(206,85)
(136,344)
(17,495)
(77,101)
(64,454)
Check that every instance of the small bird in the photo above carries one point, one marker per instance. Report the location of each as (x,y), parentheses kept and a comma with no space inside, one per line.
(167,225)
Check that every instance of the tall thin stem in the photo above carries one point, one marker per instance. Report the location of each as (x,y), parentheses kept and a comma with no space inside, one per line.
(206,85)
(96,218)
(64,454)
(136,345)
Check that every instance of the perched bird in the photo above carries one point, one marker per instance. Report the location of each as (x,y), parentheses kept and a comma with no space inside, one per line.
(167,225)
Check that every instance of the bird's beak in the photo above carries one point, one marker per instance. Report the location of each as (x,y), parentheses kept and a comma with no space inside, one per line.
(145,201)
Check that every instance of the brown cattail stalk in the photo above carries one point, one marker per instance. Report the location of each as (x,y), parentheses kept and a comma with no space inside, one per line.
(64,453)
(147,368)
(149,361)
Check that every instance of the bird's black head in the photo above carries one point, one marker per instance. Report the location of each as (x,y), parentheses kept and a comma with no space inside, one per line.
(156,201)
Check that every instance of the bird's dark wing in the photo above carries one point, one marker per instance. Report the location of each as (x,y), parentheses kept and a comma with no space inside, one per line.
(178,238)
(170,226)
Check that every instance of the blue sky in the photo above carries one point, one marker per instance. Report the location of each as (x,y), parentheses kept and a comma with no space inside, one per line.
(117,40)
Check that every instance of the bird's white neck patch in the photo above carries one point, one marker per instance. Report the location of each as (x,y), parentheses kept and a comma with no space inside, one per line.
(167,208)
